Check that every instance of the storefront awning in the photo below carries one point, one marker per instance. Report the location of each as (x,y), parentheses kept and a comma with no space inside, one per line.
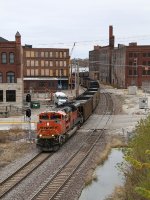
(43,79)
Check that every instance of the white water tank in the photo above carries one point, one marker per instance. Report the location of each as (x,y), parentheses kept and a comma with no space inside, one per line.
(132,90)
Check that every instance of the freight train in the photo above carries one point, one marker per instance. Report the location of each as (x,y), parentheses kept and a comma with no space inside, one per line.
(55,127)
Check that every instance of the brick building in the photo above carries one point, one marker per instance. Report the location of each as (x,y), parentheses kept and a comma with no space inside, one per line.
(11,82)
(100,60)
(45,68)
(131,65)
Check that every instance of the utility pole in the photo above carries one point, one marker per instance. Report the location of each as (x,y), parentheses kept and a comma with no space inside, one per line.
(77,79)
(136,67)
(70,67)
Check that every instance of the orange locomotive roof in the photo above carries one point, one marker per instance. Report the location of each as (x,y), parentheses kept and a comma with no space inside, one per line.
(53,112)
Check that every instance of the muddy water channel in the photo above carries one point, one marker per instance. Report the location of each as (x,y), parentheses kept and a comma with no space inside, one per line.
(108,177)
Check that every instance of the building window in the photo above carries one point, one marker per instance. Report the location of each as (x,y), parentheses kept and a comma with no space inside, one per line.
(130,72)
(46,54)
(32,72)
(51,64)
(28,63)
(11,58)
(130,62)
(51,72)
(56,54)
(42,84)
(10,95)
(28,72)
(4,58)
(61,63)
(32,54)
(56,63)
(36,72)
(46,72)
(42,63)
(36,63)
(1,77)
(46,63)
(1,95)
(130,55)
(65,64)
(65,54)
(42,54)
(10,77)
(61,54)
(36,54)
(51,54)
(32,63)
(28,54)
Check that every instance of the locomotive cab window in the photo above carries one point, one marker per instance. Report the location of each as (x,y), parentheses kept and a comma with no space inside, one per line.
(44,117)
(55,116)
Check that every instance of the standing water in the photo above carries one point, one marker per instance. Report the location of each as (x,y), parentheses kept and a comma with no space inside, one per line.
(108,177)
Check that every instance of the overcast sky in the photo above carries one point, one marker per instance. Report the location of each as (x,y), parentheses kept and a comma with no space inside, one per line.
(60,23)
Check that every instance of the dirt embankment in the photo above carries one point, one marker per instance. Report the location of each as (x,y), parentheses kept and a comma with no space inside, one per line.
(12,146)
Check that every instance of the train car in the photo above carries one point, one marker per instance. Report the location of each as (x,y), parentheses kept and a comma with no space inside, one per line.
(55,127)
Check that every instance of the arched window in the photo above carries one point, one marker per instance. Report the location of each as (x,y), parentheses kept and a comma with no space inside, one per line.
(1,77)
(4,58)
(10,77)
(11,58)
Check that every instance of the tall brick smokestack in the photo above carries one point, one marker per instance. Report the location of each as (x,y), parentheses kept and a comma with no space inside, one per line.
(111,37)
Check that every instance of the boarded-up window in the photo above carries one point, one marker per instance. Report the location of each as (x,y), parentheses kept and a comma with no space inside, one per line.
(42,63)
(65,64)
(56,63)
(46,54)
(61,54)
(65,72)
(46,72)
(32,72)
(28,54)
(28,72)
(61,63)
(46,63)
(56,54)
(65,54)
(42,72)
(32,54)
(56,72)
(28,63)
(36,63)
(51,63)
(32,63)
(36,72)
(42,54)
(51,54)
(51,72)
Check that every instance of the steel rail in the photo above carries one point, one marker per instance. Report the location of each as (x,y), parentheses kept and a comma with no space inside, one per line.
(14,179)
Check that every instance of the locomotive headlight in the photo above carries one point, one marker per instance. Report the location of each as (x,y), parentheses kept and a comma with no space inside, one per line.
(47,124)
(52,135)
(40,135)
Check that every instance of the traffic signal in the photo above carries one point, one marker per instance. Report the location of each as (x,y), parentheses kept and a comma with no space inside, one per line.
(135,61)
(28,98)
(28,113)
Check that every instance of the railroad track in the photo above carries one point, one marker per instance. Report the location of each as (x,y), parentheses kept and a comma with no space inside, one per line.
(8,184)
(55,186)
